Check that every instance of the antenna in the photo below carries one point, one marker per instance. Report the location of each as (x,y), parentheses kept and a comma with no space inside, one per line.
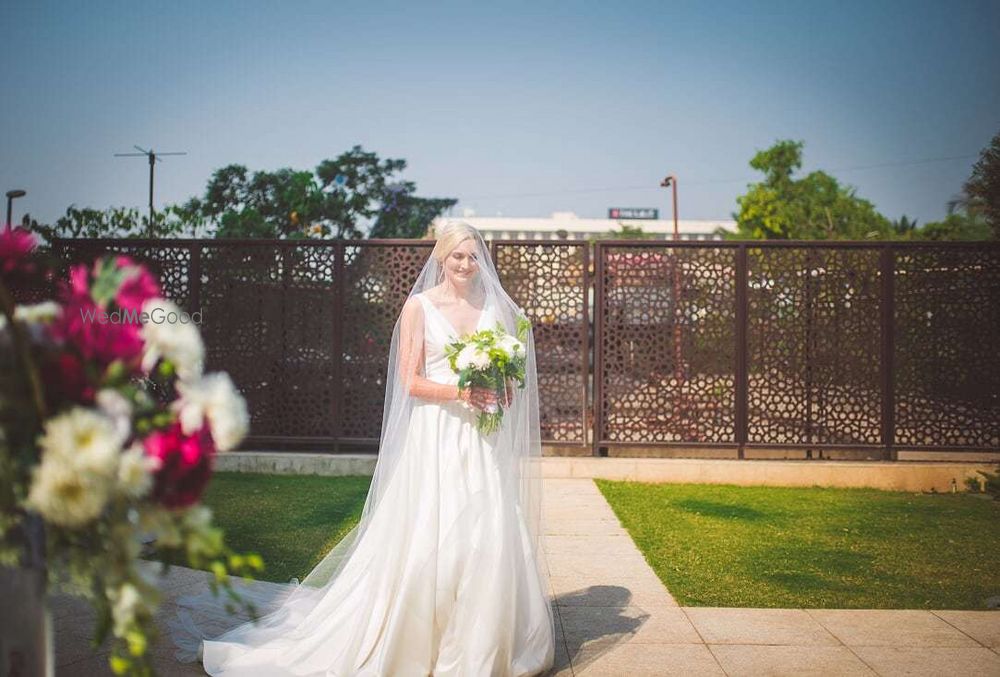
(154,157)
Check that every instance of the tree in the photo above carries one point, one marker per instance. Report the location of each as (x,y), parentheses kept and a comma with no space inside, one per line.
(982,189)
(956,226)
(342,196)
(171,221)
(815,207)
(627,232)
(405,215)
(904,227)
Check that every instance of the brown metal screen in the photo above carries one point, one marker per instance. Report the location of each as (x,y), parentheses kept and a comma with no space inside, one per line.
(797,345)
(304,328)
(880,346)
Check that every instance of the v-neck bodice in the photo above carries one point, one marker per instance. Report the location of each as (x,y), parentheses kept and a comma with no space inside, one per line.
(438,332)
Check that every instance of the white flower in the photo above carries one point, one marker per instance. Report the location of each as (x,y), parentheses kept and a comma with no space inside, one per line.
(135,472)
(118,410)
(64,496)
(80,451)
(127,602)
(166,336)
(511,345)
(214,397)
(480,358)
(84,439)
(35,316)
(38,313)
(464,359)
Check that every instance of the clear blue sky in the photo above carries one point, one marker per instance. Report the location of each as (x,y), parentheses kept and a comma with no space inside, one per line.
(520,109)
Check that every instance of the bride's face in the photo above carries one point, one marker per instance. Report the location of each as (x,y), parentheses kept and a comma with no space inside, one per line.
(462,263)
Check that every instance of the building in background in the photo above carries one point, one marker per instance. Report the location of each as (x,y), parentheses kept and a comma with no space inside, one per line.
(569,226)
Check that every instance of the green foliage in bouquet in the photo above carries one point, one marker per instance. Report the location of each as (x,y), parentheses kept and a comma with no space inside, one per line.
(491,358)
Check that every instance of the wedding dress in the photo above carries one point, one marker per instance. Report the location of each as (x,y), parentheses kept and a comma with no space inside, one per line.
(444,575)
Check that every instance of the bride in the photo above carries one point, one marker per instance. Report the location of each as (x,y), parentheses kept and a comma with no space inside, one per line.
(445,573)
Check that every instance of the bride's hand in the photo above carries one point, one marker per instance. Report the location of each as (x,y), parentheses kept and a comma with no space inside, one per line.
(509,390)
(480,398)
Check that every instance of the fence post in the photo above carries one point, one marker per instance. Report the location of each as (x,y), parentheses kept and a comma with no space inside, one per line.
(587,372)
(194,251)
(742,375)
(339,277)
(887,274)
(599,309)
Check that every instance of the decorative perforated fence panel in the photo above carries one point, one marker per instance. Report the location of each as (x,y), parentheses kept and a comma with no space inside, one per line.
(304,328)
(883,346)
(551,282)
(797,345)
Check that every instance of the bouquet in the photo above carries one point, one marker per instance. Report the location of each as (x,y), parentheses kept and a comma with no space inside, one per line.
(490,358)
(109,430)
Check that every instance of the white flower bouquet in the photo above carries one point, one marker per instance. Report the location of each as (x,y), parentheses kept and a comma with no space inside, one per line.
(109,430)
(490,358)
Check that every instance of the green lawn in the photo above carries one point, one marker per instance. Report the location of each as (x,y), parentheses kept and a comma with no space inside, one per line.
(289,520)
(734,546)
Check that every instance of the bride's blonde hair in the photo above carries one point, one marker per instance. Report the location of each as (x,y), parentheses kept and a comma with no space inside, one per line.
(450,236)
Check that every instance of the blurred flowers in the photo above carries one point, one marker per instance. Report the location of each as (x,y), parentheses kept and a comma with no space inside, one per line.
(110,431)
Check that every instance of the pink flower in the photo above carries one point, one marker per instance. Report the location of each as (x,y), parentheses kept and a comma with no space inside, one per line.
(80,328)
(185,464)
(15,246)
(79,281)
(138,287)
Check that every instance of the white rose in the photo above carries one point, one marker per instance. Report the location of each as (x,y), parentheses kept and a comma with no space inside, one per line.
(213,397)
(179,342)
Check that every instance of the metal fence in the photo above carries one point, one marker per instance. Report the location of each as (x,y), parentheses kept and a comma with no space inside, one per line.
(673,344)
(843,345)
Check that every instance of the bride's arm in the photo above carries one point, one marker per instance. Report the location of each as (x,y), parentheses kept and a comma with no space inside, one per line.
(411,357)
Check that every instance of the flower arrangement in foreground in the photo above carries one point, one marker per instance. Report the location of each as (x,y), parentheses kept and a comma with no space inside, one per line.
(109,430)
(490,358)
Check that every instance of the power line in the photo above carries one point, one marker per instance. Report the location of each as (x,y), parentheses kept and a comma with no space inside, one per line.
(701,182)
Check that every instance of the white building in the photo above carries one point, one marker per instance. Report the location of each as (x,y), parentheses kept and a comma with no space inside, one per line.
(569,226)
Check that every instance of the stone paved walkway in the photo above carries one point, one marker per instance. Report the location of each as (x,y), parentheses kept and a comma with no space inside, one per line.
(615,618)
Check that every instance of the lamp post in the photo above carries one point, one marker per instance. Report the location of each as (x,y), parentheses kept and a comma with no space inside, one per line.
(671,182)
(11,194)
(679,401)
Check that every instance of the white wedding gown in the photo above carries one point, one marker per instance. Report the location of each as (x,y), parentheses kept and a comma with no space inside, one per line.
(442,583)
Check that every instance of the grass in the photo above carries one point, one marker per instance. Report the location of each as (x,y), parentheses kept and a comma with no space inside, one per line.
(289,520)
(735,546)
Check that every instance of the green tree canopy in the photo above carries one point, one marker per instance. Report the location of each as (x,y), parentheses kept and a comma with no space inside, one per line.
(342,196)
(128,222)
(815,207)
(982,190)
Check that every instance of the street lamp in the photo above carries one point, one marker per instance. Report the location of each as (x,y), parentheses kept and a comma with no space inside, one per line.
(11,194)
(680,401)
(671,181)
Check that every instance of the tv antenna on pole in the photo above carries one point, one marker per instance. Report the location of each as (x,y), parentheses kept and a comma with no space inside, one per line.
(154,157)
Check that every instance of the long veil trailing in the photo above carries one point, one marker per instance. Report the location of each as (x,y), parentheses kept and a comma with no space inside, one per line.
(517,450)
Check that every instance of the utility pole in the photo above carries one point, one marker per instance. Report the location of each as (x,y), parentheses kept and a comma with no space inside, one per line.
(154,157)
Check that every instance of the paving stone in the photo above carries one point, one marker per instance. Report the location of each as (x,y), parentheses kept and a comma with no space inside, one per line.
(751,660)
(718,625)
(912,661)
(891,627)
